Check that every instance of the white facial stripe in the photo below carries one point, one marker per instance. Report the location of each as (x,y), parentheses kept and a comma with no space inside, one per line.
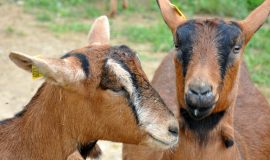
(123,75)
(125,79)
(143,114)
(147,118)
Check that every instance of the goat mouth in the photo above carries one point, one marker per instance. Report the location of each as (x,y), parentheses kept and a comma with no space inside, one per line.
(199,113)
(163,143)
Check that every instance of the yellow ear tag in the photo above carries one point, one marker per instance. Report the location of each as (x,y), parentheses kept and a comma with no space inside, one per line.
(35,73)
(178,11)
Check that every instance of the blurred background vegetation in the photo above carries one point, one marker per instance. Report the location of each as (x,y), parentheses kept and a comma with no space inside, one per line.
(141,23)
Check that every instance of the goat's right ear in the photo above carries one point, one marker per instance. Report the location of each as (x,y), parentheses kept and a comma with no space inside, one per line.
(170,15)
(58,71)
(100,31)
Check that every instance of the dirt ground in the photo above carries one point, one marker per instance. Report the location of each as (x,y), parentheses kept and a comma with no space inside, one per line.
(29,36)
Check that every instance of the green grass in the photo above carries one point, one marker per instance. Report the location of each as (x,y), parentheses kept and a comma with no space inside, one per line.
(227,8)
(157,35)
(43,17)
(62,16)
(9,30)
(251,4)
(69,27)
(222,7)
(258,57)
(63,9)
(148,58)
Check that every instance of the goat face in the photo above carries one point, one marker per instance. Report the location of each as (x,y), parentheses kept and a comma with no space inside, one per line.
(208,56)
(127,103)
(106,87)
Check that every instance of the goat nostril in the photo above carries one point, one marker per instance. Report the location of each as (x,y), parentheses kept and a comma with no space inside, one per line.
(193,91)
(205,92)
(200,90)
(173,130)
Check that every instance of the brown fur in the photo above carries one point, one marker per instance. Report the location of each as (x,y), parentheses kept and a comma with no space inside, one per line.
(252,125)
(247,117)
(204,50)
(67,111)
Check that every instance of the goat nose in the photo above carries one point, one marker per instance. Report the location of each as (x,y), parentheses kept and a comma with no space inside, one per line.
(173,130)
(200,96)
(200,90)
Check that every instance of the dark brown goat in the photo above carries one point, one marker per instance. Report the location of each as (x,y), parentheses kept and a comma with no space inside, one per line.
(96,92)
(215,96)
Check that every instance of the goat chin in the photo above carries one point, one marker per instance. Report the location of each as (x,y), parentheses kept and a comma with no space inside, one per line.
(157,145)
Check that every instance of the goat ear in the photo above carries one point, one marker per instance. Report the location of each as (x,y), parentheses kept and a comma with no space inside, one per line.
(255,20)
(59,71)
(100,31)
(170,15)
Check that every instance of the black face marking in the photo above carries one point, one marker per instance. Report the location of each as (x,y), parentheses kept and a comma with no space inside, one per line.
(201,127)
(125,49)
(121,52)
(109,81)
(137,89)
(227,34)
(184,43)
(86,149)
(83,59)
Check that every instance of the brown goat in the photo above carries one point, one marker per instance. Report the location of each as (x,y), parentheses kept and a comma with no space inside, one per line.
(215,96)
(95,92)
(113,11)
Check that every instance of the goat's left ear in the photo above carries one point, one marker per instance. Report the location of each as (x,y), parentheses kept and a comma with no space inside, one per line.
(100,31)
(58,71)
(170,15)
(255,20)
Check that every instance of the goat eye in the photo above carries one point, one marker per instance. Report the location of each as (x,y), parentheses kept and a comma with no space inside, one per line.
(236,49)
(119,91)
(176,46)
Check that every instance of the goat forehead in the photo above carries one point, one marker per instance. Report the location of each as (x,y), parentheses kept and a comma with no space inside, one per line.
(127,57)
(207,41)
(207,29)
(122,52)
